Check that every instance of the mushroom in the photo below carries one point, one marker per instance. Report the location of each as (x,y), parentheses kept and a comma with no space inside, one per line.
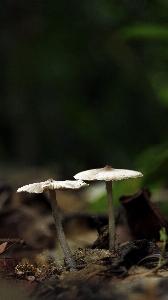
(51,186)
(108,174)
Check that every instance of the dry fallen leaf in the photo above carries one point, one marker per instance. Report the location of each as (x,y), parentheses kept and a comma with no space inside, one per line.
(3,246)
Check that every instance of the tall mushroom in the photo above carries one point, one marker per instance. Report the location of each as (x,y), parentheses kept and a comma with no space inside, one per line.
(108,174)
(51,186)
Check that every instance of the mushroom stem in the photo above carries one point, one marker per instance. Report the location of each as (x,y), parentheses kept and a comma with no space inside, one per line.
(111,215)
(61,236)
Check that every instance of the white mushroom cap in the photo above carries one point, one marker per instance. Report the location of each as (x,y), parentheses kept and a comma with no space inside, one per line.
(51,184)
(107,173)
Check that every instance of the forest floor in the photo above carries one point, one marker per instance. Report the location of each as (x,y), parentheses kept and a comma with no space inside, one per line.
(130,272)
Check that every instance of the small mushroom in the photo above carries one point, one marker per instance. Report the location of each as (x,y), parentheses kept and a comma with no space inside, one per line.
(108,174)
(51,186)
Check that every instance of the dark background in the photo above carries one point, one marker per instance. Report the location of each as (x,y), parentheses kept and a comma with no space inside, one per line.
(84,84)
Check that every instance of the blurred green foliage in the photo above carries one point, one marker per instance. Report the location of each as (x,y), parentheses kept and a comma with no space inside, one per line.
(154,162)
(120,188)
(84,84)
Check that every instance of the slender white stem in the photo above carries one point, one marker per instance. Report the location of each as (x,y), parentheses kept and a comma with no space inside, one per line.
(60,233)
(111,215)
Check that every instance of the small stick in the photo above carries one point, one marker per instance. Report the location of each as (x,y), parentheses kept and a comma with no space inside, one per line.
(12,244)
(154,270)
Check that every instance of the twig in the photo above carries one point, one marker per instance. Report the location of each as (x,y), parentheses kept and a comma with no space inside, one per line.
(12,244)
(154,270)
